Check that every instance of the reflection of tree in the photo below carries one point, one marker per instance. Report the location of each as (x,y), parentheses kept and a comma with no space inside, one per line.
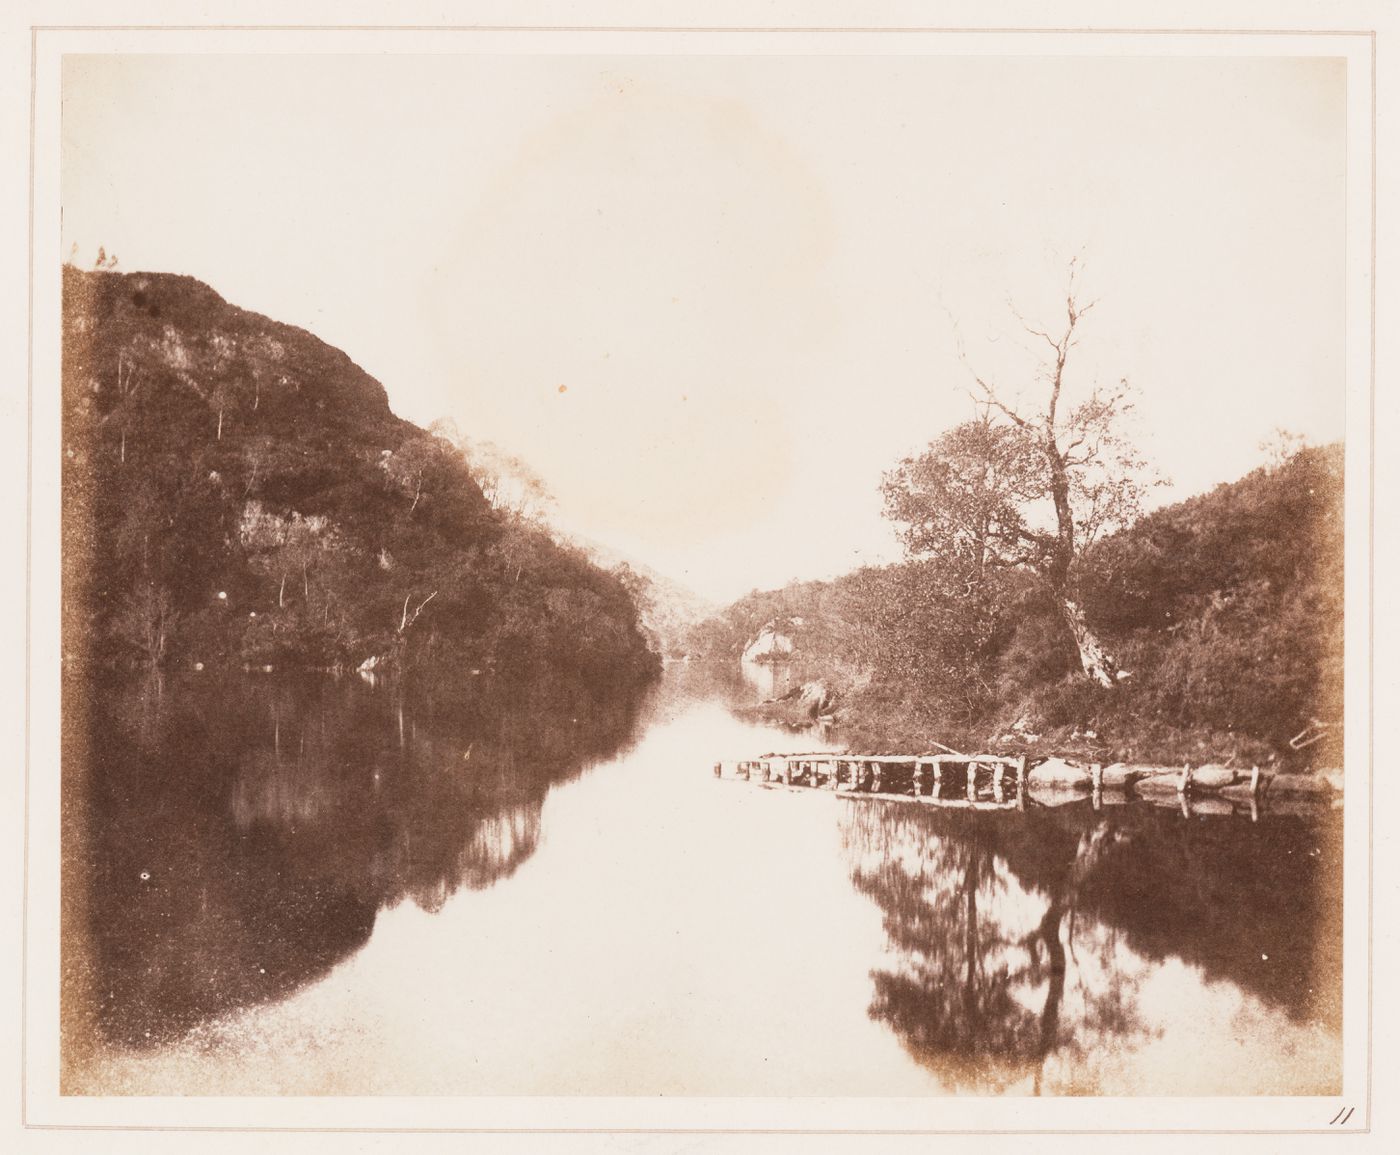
(1020,942)
(234,840)
(983,957)
(953,998)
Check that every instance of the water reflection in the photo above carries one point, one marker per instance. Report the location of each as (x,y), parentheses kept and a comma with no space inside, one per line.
(229,841)
(311,886)
(770,680)
(1021,945)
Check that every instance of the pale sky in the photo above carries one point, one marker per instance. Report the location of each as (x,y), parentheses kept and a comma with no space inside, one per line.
(743,270)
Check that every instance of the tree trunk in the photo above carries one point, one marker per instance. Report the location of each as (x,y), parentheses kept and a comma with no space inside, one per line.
(220,435)
(1049,933)
(971,881)
(1062,553)
(282,589)
(1093,658)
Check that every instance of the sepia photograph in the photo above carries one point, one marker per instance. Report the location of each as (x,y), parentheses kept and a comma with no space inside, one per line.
(656,565)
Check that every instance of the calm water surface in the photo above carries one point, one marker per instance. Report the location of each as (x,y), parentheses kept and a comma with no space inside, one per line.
(318,886)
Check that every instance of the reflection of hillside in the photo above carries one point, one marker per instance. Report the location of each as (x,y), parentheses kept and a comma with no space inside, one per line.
(1256,904)
(228,842)
(1017,937)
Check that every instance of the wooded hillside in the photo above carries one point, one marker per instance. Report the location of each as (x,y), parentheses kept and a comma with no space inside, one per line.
(1225,612)
(238,493)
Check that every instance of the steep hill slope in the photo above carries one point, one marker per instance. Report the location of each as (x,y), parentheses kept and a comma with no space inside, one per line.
(238,492)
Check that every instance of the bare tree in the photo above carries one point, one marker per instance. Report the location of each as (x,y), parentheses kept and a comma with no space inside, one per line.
(1029,485)
(128,382)
(220,398)
(413,467)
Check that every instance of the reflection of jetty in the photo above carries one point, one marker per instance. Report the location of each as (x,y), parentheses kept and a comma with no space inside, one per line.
(981,781)
(998,782)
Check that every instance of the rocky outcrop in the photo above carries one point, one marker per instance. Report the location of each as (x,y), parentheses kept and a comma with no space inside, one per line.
(770,645)
(1061,776)
(799,707)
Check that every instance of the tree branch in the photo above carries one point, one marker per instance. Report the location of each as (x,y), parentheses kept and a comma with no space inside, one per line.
(1032,330)
(406,620)
(992,399)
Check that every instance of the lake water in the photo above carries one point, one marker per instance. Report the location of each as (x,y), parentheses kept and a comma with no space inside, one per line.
(319,886)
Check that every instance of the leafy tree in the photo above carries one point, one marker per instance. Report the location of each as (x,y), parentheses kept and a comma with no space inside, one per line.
(983,475)
(414,467)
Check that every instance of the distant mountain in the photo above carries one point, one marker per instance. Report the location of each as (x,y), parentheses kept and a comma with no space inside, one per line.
(238,493)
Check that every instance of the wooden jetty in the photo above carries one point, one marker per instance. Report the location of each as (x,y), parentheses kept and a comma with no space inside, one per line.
(978,781)
(1001,782)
